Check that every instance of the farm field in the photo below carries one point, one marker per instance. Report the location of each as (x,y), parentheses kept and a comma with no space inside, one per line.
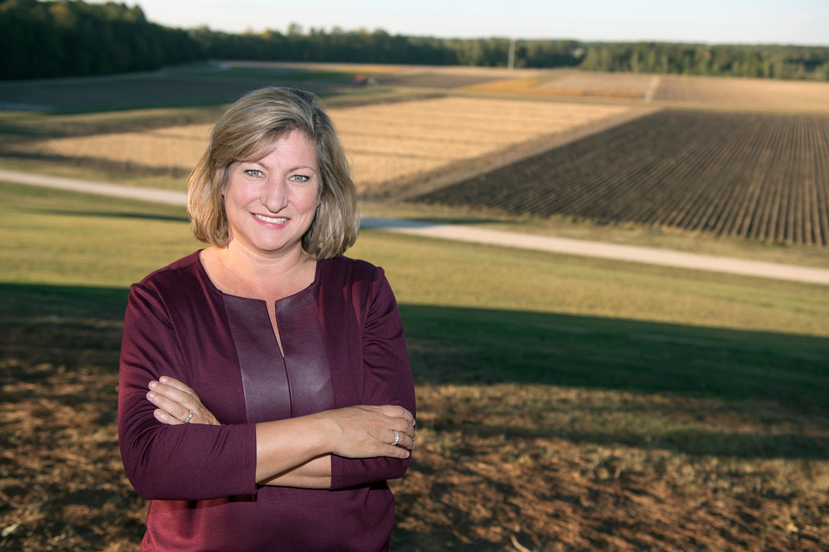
(636,408)
(598,84)
(562,82)
(389,143)
(188,85)
(405,142)
(728,93)
(741,94)
(755,176)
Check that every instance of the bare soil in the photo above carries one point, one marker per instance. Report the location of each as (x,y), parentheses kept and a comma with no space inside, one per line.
(491,472)
(756,176)
(741,94)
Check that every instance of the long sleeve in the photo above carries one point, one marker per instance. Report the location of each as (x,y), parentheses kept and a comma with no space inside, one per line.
(183,462)
(387,379)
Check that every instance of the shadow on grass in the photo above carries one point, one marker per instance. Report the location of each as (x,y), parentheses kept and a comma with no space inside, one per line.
(28,303)
(469,346)
(148,90)
(63,325)
(477,346)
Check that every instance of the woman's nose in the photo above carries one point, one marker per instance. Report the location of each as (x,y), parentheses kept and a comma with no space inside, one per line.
(274,195)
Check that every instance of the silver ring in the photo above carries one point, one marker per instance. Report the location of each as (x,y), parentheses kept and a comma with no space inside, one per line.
(396,439)
(190,417)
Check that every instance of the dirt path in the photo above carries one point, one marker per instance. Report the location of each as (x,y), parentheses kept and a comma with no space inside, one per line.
(479,235)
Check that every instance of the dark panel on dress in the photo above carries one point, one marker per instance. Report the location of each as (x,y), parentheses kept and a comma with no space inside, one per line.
(306,362)
(265,383)
(278,387)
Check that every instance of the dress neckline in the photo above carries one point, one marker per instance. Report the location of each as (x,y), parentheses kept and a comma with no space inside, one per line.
(213,287)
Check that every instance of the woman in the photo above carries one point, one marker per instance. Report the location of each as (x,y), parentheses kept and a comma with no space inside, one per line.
(265,393)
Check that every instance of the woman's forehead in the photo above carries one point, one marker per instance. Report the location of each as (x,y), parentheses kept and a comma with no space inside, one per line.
(294,144)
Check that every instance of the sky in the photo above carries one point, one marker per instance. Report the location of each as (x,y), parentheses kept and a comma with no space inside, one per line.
(802,22)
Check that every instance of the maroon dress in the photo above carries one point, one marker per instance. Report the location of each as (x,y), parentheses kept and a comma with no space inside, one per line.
(343,346)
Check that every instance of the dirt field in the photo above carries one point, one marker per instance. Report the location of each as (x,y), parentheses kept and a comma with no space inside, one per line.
(756,176)
(671,90)
(512,467)
(741,94)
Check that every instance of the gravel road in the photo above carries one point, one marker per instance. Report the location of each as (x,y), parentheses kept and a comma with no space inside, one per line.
(478,235)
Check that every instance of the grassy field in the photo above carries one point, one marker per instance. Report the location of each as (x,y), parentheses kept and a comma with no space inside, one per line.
(564,403)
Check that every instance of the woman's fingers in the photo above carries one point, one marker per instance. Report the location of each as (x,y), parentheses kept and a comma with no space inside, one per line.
(402,425)
(367,431)
(176,384)
(177,403)
(174,408)
(165,418)
(404,440)
(393,411)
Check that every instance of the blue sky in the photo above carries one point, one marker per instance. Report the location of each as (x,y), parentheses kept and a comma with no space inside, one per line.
(803,22)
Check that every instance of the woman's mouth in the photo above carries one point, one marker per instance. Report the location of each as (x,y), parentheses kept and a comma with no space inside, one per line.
(271,220)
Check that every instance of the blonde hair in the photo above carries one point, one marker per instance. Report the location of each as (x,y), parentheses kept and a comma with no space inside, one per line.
(248,132)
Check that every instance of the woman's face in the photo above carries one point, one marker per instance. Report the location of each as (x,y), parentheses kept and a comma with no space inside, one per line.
(270,203)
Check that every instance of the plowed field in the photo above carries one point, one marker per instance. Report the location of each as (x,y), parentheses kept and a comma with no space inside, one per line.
(757,176)
(668,90)
(778,95)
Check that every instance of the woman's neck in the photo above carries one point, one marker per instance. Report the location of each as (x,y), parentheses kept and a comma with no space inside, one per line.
(239,271)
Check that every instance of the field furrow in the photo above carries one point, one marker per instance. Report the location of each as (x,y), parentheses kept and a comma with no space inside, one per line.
(759,176)
(821,164)
(718,189)
(754,192)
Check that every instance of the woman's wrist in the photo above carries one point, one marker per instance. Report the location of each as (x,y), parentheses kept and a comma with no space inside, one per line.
(283,445)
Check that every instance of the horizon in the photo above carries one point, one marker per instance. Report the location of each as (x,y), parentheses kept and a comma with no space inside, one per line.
(727,22)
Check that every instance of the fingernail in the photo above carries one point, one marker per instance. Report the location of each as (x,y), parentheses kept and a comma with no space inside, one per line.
(163,379)
(153,384)
(151,395)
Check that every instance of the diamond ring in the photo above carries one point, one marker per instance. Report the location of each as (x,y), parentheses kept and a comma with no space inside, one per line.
(396,439)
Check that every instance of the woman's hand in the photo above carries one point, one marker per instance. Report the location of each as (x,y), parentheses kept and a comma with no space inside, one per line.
(371,431)
(175,402)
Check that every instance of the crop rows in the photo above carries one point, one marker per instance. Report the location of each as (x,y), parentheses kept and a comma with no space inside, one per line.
(779,95)
(757,176)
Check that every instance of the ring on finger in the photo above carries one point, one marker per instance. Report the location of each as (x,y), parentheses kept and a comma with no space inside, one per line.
(189,417)
(396,439)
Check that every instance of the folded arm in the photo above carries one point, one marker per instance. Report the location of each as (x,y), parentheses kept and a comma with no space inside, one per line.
(297,452)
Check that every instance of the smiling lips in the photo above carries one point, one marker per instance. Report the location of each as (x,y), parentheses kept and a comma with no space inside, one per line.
(271,220)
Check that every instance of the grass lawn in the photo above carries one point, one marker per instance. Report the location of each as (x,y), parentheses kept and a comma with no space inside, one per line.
(564,403)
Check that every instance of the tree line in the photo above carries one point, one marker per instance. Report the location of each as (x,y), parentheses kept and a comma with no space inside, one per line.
(58,38)
(767,61)
(68,38)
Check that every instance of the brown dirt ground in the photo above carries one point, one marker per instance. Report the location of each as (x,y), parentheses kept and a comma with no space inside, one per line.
(488,474)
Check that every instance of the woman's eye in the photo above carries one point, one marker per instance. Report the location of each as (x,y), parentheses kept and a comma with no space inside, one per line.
(254,172)
(299,178)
